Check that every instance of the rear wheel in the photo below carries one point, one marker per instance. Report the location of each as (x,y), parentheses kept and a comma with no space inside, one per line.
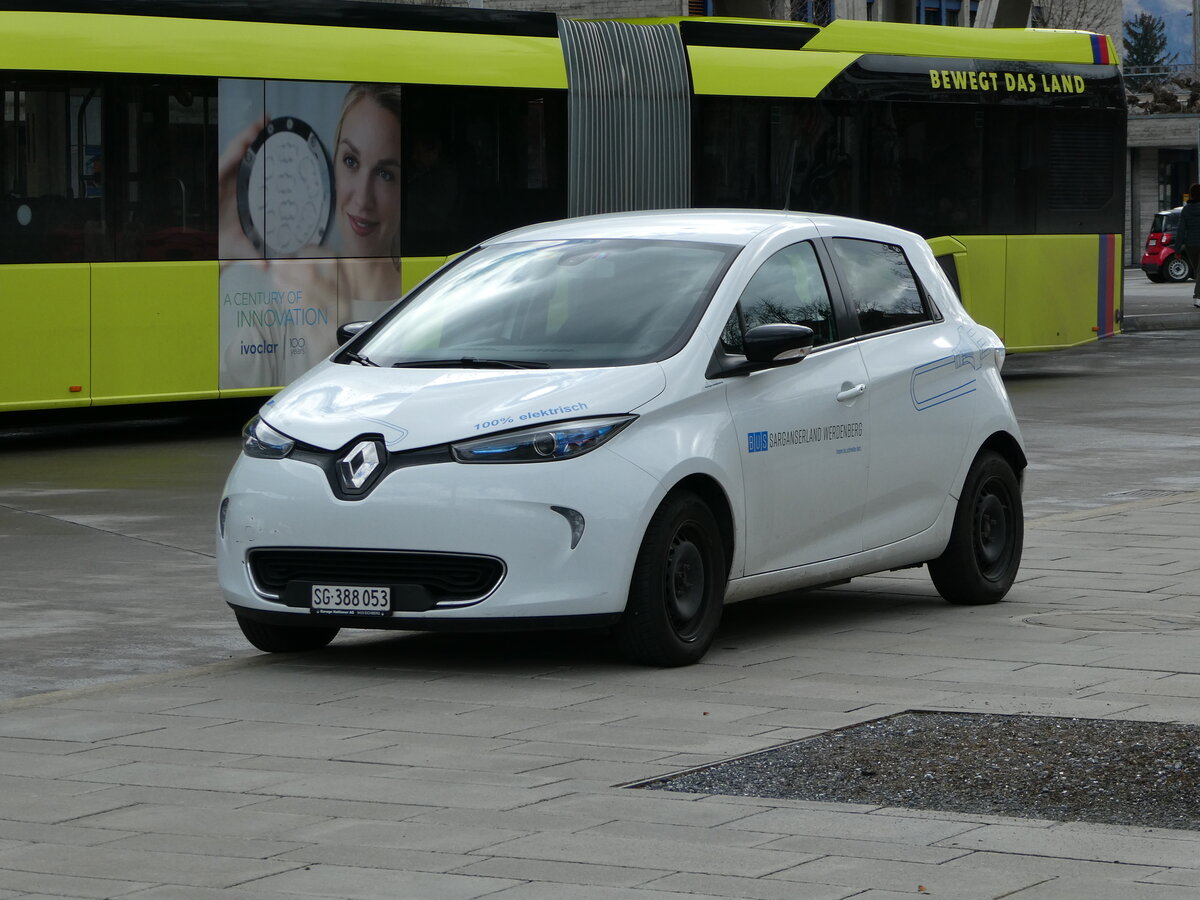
(678,586)
(284,638)
(980,563)
(1177,268)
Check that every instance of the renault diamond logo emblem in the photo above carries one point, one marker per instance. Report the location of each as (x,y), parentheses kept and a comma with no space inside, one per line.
(358,467)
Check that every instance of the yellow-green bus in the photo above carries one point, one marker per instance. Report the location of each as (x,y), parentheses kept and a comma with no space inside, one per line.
(197,193)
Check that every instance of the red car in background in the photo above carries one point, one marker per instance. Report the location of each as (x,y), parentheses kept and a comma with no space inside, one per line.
(1162,260)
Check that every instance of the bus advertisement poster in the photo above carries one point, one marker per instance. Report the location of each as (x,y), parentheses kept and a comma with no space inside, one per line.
(309,206)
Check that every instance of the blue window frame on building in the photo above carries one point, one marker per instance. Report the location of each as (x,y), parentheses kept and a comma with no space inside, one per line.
(932,12)
(818,12)
(945,12)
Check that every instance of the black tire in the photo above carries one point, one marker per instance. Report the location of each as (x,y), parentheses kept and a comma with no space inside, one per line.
(1177,269)
(1156,278)
(285,638)
(980,563)
(678,586)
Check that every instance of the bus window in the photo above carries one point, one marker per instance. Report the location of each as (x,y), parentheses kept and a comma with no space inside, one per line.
(479,161)
(732,146)
(925,167)
(164,205)
(107,169)
(52,166)
(777,154)
(1083,174)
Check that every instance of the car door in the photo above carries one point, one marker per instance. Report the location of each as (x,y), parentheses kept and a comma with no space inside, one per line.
(802,426)
(921,371)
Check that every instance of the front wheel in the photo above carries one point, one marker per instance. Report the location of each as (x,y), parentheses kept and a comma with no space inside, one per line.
(980,563)
(1177,268)
(678,586)
(284,638)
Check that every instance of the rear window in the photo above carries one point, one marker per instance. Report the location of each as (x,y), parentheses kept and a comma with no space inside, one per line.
(1165,222)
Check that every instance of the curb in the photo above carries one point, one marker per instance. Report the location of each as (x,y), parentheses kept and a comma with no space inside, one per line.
(1161,322)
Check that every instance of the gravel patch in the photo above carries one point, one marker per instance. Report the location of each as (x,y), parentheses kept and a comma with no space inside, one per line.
(1042,767)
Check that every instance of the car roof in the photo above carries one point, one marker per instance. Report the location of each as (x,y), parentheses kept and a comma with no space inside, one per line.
(718,226)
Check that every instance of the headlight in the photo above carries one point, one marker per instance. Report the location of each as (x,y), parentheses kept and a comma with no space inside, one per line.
(262,441)
(562,440)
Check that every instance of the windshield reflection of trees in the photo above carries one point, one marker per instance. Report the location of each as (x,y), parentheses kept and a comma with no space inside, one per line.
(880,284)
(602,301)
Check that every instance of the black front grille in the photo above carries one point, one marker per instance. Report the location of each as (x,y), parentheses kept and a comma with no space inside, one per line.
(447,576)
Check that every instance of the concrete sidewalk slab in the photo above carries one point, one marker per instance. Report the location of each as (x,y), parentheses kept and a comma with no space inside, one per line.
(430,766)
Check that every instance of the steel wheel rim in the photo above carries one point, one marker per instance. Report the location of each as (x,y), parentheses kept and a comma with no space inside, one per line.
(993,530)
(685,582)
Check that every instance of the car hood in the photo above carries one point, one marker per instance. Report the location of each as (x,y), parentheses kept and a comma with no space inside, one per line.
(410,408)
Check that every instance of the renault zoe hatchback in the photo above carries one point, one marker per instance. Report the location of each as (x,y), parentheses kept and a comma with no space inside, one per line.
(627,421)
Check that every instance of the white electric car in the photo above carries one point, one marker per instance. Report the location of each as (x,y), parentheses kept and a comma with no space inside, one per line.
(627,421)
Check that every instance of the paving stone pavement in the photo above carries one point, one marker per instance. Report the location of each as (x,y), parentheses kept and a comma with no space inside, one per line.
(435,766)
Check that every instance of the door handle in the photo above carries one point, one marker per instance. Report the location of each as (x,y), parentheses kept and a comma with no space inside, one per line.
(851,393)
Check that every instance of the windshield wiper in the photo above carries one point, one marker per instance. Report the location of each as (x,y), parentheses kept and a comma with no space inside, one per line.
(360,359)
(470,362)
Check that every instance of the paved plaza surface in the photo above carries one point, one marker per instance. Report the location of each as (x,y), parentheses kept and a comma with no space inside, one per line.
(443,766)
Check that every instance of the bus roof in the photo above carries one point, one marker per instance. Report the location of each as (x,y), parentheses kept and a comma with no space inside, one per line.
(165,44)
(353,13)
(900,39)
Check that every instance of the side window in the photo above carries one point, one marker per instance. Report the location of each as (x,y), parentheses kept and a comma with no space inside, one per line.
(479,161)
(790,289)
(103,168)
(52,158)
(880,285)
(162,193)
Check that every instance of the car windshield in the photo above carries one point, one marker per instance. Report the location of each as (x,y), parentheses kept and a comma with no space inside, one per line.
(558,304)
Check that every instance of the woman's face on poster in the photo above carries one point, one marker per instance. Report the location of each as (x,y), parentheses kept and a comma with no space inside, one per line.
(368,180)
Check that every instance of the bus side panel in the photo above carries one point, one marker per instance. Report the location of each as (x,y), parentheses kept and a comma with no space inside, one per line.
(44,344)
(741,71)
(154,331)
(1053,285)
(415,269)
(983,280)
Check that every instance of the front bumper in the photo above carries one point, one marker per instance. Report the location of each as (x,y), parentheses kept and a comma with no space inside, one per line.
(517,514)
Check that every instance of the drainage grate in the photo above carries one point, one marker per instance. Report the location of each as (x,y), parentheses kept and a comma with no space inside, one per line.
(1042,767)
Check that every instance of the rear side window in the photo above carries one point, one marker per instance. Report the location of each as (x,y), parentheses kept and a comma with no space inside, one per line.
(788,289)
(880,285)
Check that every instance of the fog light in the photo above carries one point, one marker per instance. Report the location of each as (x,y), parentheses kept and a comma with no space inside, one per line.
(221,516)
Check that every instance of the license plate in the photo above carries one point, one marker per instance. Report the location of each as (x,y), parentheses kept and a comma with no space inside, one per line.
(344,598)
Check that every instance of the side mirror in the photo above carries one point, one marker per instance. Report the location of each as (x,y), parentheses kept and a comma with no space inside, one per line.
(349,330)
(778,344)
